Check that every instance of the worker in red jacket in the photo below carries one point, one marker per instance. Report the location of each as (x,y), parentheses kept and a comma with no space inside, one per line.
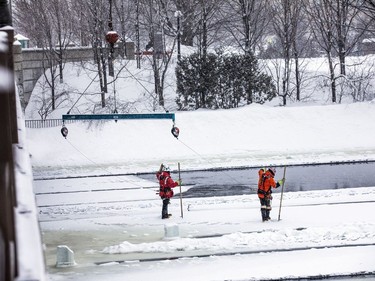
(265,184)
(166,184)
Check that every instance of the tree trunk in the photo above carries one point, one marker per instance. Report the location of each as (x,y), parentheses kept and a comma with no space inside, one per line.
(332,77)
(297,72)
(340,22)
(104,89)
(52,86)
(59,38)
(158,88)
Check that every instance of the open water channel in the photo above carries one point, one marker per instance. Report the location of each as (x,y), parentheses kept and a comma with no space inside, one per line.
(241,181)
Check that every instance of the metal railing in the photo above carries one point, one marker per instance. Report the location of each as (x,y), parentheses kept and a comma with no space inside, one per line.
(47,123)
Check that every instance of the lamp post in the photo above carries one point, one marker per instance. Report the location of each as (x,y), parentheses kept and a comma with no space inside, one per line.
(178,15)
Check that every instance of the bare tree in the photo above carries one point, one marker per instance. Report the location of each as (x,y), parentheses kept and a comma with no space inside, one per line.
(200,20)
(247,21)
(43,33)
(97,22)
(205,13)
(61,20)
(50,25)
(322,20)
(81,22)
(206,24)
(367,7)
(367,10)
(157,16)
(286,19)
(350,27)
(338,26)
(123,22)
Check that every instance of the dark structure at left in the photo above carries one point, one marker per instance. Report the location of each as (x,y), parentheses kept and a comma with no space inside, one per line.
(21,254)
(5,17)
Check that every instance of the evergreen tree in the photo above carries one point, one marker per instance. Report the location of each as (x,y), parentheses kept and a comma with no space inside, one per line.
(221,81)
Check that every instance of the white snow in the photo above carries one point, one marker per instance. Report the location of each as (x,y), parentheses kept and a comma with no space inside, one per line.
(113,223)
(253,135)
(21,37)
(3,41)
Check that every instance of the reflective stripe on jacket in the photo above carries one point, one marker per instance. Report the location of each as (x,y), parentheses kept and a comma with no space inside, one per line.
(166,184)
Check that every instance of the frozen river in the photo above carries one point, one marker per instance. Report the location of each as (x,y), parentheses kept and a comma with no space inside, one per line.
(91,213)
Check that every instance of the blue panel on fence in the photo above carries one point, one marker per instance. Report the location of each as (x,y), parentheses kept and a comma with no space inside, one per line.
(118,116)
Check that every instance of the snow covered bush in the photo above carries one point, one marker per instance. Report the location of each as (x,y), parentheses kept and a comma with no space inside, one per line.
(221,80)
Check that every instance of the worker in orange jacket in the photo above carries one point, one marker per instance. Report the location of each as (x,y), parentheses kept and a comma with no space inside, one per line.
(166,193)
(265,184)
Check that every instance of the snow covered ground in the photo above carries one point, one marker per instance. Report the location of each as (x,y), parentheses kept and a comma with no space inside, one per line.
(250,136)
(113,223)
(115,234)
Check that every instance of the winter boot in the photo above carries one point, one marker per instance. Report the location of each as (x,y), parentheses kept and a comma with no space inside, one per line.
(264,214)
(268,215)
(164,212)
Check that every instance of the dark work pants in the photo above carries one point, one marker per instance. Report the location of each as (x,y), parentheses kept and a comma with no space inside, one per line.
(265,208)
(164,211)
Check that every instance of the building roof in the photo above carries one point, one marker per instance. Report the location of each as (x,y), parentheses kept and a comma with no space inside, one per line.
(21,37)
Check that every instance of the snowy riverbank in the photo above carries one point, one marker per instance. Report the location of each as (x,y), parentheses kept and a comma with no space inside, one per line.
(251,136)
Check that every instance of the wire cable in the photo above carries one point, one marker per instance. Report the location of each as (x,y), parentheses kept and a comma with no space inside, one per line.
(92,81)
(109,172)
(210,162)
(183,143)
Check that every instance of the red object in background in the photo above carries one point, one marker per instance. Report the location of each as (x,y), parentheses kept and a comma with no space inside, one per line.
(112,37)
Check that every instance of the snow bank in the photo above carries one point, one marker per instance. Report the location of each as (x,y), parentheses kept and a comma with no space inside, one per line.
(251,136)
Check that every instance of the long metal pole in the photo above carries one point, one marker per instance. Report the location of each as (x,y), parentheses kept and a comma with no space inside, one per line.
(282,192)
(179,180)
